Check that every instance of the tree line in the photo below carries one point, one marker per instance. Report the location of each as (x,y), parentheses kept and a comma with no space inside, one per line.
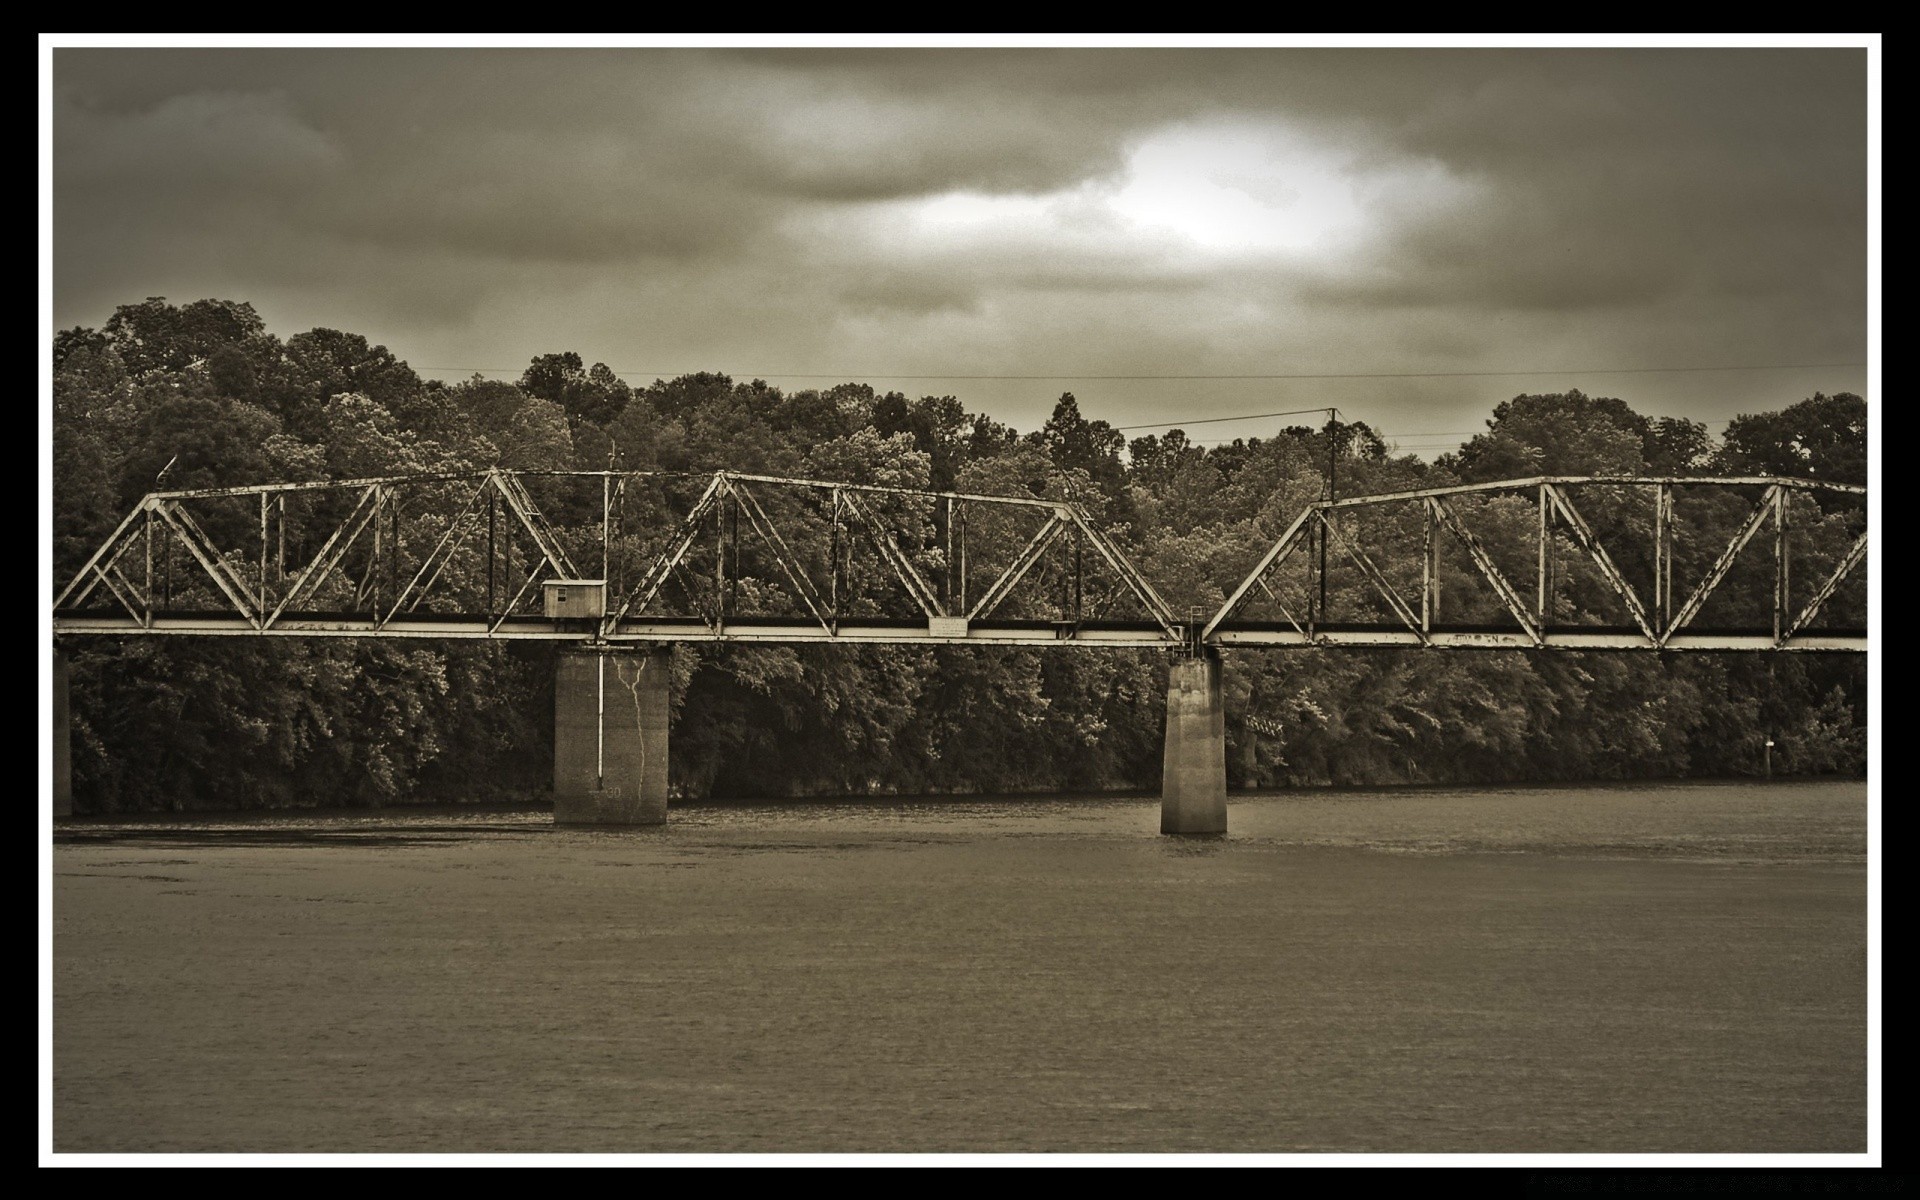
(202,395)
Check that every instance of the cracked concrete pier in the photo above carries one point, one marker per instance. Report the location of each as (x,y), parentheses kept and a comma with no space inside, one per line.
(610,716)
(1193,787)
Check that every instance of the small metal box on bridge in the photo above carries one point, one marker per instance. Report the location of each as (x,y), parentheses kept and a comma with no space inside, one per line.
(576,597)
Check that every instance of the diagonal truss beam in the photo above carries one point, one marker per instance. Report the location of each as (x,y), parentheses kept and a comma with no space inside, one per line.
(1129,577)
(663,564)
(436,560)
(896,558)
(1502,588)
(782,553)
(1848,562)
(1583,533)
(330,553)
(1030,554)
(95,573)
(1275,555)
(86,570)
(201,547)
(122,588)
(1721,566)
(1374,576)
(520,502)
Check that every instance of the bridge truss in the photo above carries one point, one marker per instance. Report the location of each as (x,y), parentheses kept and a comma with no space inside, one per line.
(1542,563)
(1547,560)
(719,556)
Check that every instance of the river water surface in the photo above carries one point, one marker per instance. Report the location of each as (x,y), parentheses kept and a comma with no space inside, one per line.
(1636,968)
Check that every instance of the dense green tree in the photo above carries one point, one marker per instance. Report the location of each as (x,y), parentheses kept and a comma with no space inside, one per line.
(1822,437)
(589,396)
(157,336)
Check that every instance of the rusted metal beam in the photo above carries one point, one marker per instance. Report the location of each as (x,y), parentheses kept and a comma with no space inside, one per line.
(1583,533)
(1143,634)
(1534,481)
(1017,569)
(1481,560)
(1275,555)
(663,564)
(1831,584)
(1720,567)
(1429,568)
(190,535)
(782,553)
(1132,579)
(367,496)
(896,559)
(1373,575)
(1780,564)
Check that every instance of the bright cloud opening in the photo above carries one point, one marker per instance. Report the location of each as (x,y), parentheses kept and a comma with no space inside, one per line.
(1239,189)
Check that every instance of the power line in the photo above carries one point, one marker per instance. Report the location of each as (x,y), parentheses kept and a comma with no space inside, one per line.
(855,375)
(1216,420)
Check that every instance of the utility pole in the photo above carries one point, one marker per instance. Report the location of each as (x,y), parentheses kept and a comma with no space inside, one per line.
(1333,467)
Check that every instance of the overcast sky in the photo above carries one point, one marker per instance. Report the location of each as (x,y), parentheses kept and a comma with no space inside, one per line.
(876,214)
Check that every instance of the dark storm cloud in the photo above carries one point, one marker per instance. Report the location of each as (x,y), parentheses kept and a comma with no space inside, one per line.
(971,210)
(1619,180)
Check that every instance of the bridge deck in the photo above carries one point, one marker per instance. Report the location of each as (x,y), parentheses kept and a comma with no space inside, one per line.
(910,631)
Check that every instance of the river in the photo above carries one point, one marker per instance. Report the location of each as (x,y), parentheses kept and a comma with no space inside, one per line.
(1599,969)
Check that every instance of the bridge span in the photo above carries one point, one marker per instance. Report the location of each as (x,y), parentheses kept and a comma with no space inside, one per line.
(1539,564)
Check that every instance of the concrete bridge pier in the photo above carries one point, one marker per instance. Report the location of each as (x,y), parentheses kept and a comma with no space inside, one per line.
(62,739)
(1193,785)
(610,714)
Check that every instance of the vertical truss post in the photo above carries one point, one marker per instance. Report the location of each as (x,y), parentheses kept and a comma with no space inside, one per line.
(1079,541)
(606,530)
(280,556)
(373,564)
(393,556)
(733,537)
(1430,569)
(1662,556)
(263,552)
(493,509)
(1066,590)
(963,560)
(947,582)
(1544,553)
(833,561)
(149,536)
(720,565)
(615,587)
(506,566)
(1780,614)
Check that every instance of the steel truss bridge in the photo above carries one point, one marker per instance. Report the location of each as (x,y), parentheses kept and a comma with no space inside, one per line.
(728,556)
